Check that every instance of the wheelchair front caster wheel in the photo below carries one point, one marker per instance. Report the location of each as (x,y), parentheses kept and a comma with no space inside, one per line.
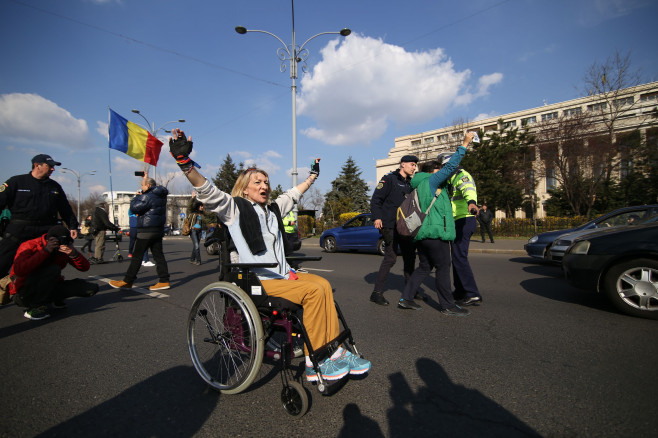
(294,399)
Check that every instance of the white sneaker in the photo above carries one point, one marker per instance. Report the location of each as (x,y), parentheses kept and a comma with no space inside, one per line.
(149,263)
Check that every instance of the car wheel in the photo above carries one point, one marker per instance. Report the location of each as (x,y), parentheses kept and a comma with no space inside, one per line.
(632,286)
(330,244)
(213,248)
(381,247)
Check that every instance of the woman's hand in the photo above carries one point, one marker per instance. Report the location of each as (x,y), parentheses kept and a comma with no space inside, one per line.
(468,138)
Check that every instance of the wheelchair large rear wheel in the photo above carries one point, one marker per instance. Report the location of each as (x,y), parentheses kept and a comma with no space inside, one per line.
(225,337)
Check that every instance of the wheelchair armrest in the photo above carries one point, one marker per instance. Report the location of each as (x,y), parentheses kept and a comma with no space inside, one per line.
(303,258)
(252,265)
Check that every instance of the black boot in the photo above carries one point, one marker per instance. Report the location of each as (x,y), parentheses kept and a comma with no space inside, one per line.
(377,298)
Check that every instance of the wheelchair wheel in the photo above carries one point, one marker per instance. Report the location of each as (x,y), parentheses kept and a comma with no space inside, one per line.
(225,337)
(294,399)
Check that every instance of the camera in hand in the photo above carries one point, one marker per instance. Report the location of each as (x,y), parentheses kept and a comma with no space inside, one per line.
(64,240)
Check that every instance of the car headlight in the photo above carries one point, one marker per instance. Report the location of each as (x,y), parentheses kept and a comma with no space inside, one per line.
(533,239)
(581,247)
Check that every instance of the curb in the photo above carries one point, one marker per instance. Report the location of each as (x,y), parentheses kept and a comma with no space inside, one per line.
(497,251)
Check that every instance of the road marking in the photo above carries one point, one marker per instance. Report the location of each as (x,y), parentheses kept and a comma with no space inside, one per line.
(140,290)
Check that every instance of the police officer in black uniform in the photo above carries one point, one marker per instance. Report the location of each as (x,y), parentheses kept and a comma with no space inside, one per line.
(34,201)
(389,194)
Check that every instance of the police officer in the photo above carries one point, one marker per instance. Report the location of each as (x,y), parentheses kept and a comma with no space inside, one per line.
(387,197)
(34,201)
(463,195)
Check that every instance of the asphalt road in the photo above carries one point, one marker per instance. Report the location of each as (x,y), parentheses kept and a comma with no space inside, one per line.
(538,358)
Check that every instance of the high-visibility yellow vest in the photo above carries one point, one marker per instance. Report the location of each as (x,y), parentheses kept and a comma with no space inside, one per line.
(288,222)
(463,190)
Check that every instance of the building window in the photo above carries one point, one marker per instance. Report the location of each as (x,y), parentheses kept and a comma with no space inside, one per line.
(443,137)
(597,107)
(550,179)
(624,101)
(415,142)
(429,140)
(549,116)
(456,135)
(573,112)
(528,121)
(490,128)
(510,124)
(649,97)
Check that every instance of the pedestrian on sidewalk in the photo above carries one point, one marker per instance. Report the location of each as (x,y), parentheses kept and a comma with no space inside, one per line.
(485,216)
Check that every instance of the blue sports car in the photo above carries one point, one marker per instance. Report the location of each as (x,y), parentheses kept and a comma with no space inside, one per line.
(359,233)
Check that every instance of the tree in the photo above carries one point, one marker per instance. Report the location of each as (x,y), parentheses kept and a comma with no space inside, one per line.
(276,192)
(227,175)
(349,192)
(500,166)
(580,161)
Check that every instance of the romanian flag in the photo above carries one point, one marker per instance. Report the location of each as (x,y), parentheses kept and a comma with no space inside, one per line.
(133,140)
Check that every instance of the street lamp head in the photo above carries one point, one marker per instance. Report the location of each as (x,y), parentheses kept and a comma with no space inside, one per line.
(345,32)
(136,111)
(241,30)
(181,120)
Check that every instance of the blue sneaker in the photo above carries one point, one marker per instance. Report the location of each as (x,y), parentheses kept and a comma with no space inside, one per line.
(330,370)
(358,365)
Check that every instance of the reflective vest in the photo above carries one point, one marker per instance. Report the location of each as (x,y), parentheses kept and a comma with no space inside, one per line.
(462,190)
(288,222)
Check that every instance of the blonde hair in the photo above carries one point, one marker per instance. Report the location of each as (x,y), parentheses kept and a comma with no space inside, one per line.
(243,181)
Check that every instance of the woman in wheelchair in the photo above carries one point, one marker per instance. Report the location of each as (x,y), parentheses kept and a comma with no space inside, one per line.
(256,228)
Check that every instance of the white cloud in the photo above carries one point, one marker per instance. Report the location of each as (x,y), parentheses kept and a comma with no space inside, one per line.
(102,129)
(363,84)
(262,161)
(483,116)
(29,118)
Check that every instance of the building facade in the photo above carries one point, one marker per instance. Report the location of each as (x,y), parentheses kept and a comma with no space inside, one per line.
(119,204)
(633,109)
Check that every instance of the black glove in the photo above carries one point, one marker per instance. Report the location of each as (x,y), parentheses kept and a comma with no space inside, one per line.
(180,149)
(315,169)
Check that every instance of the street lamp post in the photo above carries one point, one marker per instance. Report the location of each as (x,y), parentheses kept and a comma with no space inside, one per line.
(295,55)
(79,178)
(151,128)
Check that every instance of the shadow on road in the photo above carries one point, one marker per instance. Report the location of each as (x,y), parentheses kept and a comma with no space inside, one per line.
(439,408)
(171,403)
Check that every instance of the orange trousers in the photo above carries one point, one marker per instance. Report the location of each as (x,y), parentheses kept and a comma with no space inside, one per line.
(315,295)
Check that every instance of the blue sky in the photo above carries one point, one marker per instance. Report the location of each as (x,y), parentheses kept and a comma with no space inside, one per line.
(408,67)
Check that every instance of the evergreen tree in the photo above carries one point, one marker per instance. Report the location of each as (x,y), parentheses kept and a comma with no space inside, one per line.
(227,175)
(349,192)
(276,192)
(500,167)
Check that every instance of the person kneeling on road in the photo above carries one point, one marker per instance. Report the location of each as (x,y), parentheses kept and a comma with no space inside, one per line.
(37,273)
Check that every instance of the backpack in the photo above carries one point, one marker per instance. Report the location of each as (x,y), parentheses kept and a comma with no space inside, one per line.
(409,217)
(187,228)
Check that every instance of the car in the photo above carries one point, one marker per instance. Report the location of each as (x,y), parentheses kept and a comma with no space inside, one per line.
(621,263)
(357,234)
(556,249)
(537,244)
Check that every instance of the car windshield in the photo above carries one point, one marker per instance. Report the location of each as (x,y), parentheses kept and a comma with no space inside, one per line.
(628,218)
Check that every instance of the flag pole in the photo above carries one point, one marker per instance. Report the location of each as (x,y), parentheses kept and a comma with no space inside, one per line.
(109,164)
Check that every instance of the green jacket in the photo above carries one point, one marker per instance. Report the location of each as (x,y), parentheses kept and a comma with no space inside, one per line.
(463,192)
(439,223)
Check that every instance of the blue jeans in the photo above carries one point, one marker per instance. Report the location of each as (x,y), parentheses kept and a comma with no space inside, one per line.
(195,235)
(465,285)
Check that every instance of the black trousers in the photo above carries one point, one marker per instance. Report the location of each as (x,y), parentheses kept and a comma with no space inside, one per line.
(408,249)
(465,285)
(42,287)
(141,246)
(486,227)
(432,253)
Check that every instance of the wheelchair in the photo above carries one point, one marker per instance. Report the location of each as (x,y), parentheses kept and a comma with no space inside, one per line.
(233,325)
